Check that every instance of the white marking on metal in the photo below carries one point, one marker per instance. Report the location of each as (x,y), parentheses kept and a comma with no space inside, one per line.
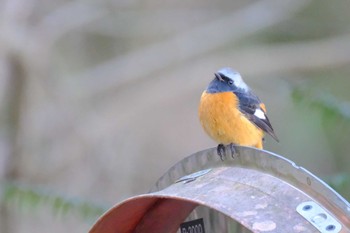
(193,176)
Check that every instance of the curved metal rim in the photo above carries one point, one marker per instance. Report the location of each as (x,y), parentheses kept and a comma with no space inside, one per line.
(157,196)
(195,166)
(263,161)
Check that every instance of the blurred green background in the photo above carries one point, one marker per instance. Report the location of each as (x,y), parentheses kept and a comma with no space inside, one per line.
(99,98)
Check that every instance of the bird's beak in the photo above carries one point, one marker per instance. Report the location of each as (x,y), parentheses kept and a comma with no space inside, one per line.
(218,77)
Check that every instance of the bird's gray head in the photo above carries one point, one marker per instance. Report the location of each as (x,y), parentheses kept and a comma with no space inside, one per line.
(226,80)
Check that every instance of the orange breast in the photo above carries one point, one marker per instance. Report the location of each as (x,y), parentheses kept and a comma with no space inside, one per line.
(223,122)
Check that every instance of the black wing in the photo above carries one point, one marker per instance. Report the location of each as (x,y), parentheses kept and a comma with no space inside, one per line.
(248,105)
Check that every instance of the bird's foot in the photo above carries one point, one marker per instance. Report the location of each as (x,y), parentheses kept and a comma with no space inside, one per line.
(221,150)
(233,150)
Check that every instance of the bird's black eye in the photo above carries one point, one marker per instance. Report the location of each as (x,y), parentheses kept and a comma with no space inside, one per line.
(230,82)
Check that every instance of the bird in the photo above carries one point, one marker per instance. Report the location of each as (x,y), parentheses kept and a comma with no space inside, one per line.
(231,114)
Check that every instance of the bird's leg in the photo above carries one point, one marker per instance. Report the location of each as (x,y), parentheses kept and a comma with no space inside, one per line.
(221,150)
(233,150)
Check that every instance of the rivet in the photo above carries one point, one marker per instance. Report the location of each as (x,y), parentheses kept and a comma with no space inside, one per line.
(308,180)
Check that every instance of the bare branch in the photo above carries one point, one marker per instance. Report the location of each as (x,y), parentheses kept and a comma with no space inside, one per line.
(258,61)
(186,46)
(68,17)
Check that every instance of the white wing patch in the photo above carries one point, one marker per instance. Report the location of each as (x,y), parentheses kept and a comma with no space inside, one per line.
(260,114)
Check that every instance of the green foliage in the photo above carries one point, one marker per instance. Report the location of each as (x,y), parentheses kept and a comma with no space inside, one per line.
(329,107)
(335,115)
(341,183)
(30,198)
